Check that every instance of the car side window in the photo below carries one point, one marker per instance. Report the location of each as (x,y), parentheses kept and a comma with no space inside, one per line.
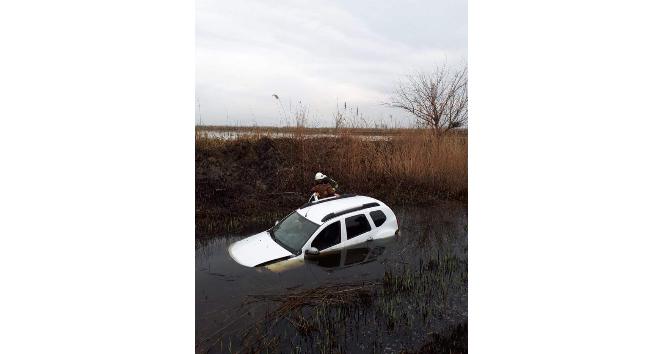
(378,217)
(357,225)
(330,236)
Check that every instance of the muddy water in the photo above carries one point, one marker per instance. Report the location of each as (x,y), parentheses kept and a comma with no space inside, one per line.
(420,288)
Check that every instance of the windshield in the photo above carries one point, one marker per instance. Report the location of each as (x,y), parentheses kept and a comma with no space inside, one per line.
(293,232)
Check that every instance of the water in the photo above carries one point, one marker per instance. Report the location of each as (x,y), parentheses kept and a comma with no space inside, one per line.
(420,279)
(234,135)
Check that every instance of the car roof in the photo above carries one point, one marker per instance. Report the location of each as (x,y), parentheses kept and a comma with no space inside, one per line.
(317,211)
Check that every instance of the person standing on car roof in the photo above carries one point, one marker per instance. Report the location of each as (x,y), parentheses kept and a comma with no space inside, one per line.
(325,186)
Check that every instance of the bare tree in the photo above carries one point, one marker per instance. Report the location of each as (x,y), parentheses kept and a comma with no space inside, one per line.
(438,99)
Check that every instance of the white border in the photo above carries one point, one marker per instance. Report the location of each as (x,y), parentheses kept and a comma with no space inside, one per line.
(97,181)
(566,191)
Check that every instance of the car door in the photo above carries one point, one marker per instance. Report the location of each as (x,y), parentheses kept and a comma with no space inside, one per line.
(329,238)
(357,229)
(378,219)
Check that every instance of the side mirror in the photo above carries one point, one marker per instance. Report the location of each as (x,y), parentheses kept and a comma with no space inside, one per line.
(311,251)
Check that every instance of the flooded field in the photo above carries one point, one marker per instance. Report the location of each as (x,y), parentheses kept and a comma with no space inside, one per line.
(234,135)
(402,295)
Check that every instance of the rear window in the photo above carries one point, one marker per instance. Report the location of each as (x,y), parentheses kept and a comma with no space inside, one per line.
(356,225)
(378,217)
(330,236)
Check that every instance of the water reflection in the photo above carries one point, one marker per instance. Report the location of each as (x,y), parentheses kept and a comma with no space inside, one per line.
(334,260)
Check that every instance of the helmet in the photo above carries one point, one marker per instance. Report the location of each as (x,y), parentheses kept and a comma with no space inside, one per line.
(319,176)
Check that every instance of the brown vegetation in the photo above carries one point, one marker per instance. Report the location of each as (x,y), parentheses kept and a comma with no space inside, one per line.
(247,177)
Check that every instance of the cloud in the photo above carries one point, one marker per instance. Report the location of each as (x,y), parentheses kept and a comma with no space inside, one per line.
(315,52)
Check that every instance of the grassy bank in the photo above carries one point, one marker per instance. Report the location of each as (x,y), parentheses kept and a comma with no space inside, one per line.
(258,179)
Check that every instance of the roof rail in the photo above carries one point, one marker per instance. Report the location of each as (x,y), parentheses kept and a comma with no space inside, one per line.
(316,202)
(346,211)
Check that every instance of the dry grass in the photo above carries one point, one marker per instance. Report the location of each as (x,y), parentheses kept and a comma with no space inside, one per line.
(411,160)
(417,164)
(342,297)
(238,178)
(327,295)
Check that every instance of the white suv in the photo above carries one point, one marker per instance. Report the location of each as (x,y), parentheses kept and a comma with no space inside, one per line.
(318,227)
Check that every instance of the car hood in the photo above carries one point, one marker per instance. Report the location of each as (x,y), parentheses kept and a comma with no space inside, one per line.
(256,250)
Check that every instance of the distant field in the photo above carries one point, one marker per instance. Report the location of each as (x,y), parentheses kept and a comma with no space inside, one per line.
(258,131)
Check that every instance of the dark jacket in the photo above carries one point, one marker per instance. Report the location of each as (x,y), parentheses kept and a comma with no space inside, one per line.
(323,190)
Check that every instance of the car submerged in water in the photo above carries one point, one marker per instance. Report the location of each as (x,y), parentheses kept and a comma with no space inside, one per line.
(316,228)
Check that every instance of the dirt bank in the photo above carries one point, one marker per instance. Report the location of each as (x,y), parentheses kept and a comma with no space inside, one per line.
(256,181)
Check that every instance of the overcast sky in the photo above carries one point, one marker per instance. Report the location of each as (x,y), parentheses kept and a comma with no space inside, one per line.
(317,52)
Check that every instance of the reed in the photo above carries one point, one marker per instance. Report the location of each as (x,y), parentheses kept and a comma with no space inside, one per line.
(257,173)
(321,319)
